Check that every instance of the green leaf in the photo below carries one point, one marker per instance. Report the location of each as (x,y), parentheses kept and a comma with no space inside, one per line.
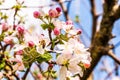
(29,56)
(44,57)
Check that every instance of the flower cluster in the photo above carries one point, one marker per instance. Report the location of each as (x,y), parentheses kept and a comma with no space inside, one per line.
(60,45)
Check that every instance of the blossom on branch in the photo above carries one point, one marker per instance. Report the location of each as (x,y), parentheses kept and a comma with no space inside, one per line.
(59,44)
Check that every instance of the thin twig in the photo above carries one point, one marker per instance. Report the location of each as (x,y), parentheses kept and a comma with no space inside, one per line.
(26,73)
(113,56)
(52,4)
(94,17)
(65,11)
(110,73)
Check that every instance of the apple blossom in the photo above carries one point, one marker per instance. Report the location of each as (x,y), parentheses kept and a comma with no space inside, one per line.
(69,22)
(79,31)
(8,40)
(69,75)
(70,64)
(53,13)
(19,64)
(20,52)
(58,9)
(5,26)
(36,14)
(56,31)
(14,26)
(32,48)
(59,24)
(20,30)
(75,54)
(30,44)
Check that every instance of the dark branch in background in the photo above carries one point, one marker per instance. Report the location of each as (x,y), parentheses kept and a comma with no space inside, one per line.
(110,73)
(116,70)
(68,6)
(102,37)
(65,10)
(94,18)
(113,56)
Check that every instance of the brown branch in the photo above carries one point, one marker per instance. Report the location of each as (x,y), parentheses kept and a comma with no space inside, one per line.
(102,37)
(26,73)
(113,56)
(65,11)
(94,17)
(17,78)
(117,12)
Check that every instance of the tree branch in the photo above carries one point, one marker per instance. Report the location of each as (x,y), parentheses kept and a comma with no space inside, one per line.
(26,73)
(113,56)
(101,38)
(94,17)
(64,10)
(117,12)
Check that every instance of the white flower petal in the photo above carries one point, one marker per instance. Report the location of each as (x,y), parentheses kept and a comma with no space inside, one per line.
(74,68)
(63,73)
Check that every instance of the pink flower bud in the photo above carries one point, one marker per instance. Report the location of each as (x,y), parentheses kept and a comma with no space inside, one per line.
(58,9)
(53,13)
(20,30)
(14,27)
(36,14)
(30,44)
(69,22)
(4,27)
(56,31)
(8,40)
(20,52)
(86,65)
(79,31)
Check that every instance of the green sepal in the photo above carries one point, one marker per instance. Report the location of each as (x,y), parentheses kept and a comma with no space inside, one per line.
(44,26)
(2,64)
(64,37)
(44,57)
